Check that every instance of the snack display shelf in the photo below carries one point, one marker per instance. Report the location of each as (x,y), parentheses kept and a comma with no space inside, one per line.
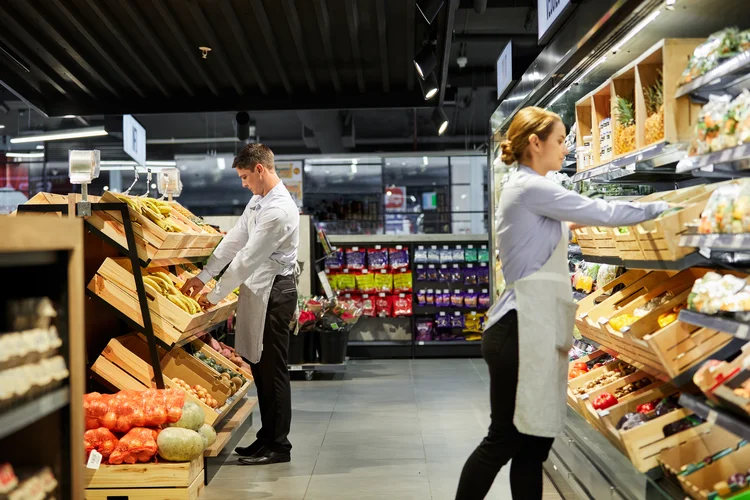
(719,416)
(25,413)
(731,157)
(728,75)
(646,161)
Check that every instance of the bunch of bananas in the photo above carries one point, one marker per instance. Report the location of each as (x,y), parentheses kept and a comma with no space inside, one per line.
(195,219)
(162,283)
(156,210)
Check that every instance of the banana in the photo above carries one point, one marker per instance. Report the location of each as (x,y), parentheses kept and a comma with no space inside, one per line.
(164,276)
(176,300)
(186,301)
(165,210)
(165,285)
(195,304)
(152,283)
(151,214)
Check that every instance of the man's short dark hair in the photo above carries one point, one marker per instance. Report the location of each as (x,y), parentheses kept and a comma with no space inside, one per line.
(251,155)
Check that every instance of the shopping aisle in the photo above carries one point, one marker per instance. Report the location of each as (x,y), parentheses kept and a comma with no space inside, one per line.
(388,429)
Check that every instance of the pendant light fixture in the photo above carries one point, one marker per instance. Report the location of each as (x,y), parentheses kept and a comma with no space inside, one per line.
(429,86)
(440,119)
(425,62)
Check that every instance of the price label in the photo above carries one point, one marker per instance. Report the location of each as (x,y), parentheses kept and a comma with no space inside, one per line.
(603,321)
(421,342)
(712,416)
(95,460)
(705,251)
(584,397)
(603,413)
(738,241)
(295,368)
(742,332)
(726,155)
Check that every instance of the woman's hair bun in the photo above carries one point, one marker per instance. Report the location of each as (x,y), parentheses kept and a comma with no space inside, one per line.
(508,156)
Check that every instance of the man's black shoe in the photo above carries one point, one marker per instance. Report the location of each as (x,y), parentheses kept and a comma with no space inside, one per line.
(250,451)
(266,458)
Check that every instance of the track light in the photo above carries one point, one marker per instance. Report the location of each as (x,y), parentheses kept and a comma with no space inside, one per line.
(425,62)
(429,86)
(440,119)
(242,120)
(429,9)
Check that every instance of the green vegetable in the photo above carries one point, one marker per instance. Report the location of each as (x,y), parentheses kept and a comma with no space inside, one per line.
(192,417)
(208,434)
(179,445)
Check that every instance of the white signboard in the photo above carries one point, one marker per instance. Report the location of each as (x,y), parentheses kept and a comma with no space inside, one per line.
(547,12)
(504,69)
(134,139)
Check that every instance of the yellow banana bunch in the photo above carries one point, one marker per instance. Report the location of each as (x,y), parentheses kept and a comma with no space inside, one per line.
(155,210)
(162,283)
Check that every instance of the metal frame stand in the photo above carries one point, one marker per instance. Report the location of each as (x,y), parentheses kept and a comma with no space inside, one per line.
(132,252)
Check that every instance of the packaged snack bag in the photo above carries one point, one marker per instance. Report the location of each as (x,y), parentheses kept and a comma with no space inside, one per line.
(355,258)
(377,258)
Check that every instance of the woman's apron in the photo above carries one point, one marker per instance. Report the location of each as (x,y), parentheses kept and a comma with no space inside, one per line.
(546,317)
(252,305)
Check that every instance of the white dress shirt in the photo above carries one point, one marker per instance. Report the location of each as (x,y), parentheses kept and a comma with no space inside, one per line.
(263,242)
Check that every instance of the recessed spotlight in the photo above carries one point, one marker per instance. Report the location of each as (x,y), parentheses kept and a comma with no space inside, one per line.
(440,119)
(425,62)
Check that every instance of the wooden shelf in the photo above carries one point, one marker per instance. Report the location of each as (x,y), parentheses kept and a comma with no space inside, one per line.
(225,432)
(26,413)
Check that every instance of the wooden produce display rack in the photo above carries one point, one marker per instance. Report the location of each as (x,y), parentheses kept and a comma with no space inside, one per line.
(140,360)
(43,257)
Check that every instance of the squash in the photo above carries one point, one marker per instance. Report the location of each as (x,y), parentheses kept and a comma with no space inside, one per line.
(192,417)
(208,434)
(179,445)
(237,382)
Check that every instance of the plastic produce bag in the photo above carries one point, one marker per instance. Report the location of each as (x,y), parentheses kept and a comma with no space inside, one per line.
(101,440)
(138,445)
(127,409)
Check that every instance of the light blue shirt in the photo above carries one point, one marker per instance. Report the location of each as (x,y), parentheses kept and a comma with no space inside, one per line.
(528,228)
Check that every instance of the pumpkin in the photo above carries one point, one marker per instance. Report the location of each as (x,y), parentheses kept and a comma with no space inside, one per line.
(208,434)
(179,445)
(192,417)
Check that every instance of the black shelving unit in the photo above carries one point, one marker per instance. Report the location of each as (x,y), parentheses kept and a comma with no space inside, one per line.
(411,348)
(691,260)
(730,76)
(704,408)
(27,412)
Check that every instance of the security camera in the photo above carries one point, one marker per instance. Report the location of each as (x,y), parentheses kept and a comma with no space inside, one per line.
(462,61)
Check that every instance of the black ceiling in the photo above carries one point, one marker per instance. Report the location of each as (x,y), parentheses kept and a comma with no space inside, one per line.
(109,57)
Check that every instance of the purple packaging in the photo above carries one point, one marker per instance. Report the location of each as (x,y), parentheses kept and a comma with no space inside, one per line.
(377,258)
(335,260)
(399,257)
(457,320)
(424,330)
(470,275)
(432,273)
(456,274)
(483,275)
(483,301)
(429,297)
(471,299)
(444,274)
(457,298)
(421,298)
(442,321)
(421,273)
(355,258)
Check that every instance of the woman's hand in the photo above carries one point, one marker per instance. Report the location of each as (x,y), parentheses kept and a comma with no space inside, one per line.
(573,226)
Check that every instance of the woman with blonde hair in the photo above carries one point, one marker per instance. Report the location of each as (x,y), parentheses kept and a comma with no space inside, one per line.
(529,329)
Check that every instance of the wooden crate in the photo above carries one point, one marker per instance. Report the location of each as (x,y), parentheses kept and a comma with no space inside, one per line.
(676,460)
(130,354)
(647,441)
(585,239)
(584,128)
(594,417)
(700,484)
(667,57)
(604,240)
(626,244)
(152,481)
(622,84)
(115,283)
(588,325)
(681,346)
(578,402)
(152,242)
(206,349)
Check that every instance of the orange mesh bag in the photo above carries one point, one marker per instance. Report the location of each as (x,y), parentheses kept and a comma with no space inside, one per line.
(128,409)
(138,445)
(101,440)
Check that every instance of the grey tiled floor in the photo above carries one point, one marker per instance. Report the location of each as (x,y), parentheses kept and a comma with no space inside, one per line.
(387,429)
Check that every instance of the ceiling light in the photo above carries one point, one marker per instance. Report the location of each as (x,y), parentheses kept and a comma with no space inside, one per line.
(106,188)
(429,86)
(221,163)
(429,9)
(40,146)
(2,126)
(60,135)
(69,116)
(440,119)
(636,30)
(354,168)
(425,160)
(24,155)
(670,4)
(516,98)
(425,62)
(149,163)
(590,69)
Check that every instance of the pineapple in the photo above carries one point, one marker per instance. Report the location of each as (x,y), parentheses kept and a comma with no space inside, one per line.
(655,111)
(624,126)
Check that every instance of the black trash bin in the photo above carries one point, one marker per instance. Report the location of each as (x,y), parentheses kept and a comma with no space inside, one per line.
(333,346)
(297,348)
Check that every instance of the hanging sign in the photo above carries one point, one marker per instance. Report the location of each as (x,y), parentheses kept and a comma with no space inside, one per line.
(134,139)
(504,69)
(548,11)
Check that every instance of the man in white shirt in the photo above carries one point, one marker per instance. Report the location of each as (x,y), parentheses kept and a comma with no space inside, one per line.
(261,250)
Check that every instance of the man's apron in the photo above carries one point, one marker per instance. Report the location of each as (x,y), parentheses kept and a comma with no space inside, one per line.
(546,317)
(252,305)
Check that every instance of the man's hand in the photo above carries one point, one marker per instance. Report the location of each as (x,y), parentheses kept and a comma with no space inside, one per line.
(573,226)
(192,287)
(204,302)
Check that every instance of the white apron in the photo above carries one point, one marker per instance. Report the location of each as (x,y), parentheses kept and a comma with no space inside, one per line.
(252,305)
(546,317)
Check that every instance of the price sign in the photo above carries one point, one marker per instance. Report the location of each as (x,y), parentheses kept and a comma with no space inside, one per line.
(712,416)
(95,460)
(742,332)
